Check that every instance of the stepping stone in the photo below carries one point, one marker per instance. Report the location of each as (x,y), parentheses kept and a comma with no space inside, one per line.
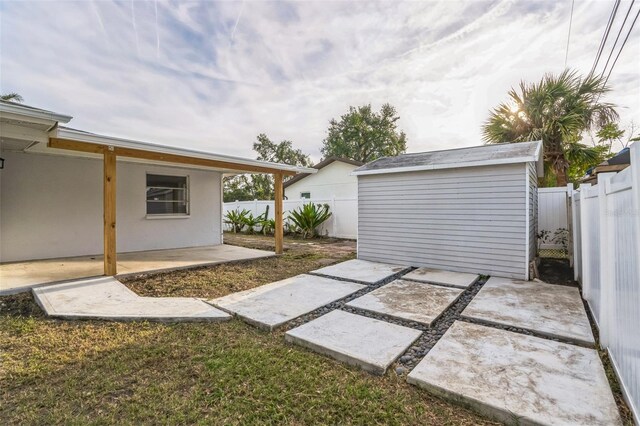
(356,340)
(108,299)
(408,300)
(551,310)
(518,379)
(272,305)
(362,271)
(439,276)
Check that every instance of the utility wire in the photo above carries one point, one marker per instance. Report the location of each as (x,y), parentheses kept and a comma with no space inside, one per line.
(566,55)
(615,43)
(603,41)
(622,47)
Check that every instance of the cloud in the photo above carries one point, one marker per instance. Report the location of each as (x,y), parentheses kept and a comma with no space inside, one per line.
(212,75)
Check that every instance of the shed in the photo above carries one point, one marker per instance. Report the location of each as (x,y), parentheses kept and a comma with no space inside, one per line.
(468,210)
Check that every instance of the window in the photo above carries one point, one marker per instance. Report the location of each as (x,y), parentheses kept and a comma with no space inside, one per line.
(167,195)
(306,195)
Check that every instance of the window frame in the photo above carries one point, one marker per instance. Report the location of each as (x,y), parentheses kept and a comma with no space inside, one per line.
(187,197)
(302,197)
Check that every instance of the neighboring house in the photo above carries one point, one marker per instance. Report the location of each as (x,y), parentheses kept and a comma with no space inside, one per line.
(469,210)
(618,162)
(333,180)
(61,190)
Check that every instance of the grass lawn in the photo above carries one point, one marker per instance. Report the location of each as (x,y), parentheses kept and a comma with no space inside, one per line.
(92,372)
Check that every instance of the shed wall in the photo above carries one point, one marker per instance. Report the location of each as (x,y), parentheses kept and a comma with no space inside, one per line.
(51,206)
(471,219)
(533,209)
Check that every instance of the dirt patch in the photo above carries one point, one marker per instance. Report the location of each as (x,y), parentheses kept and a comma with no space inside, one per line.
(556,271)
(219,280)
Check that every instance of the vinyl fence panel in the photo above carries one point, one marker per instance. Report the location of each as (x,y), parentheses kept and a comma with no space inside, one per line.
(552,213)
(343,222)
(606,232)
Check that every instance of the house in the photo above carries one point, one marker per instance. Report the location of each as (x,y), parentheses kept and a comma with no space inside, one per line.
(333,180)
(618,162)
(62,189)
(468,210)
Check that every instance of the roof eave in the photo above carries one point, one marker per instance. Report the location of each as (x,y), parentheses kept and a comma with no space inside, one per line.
(34,113)
(525,159)
(79,136)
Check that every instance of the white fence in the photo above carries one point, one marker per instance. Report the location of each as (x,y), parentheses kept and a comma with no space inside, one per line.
(606,234)
(343,222)
(552,213)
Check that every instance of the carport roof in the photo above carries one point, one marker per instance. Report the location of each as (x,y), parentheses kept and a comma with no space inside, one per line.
(484,155)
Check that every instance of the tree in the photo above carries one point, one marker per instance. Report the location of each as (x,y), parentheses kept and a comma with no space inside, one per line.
(13,97)
(261,186)
(364,135)
(557,110)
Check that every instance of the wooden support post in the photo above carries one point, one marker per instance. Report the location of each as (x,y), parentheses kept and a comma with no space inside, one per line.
(109,208)
(279,231)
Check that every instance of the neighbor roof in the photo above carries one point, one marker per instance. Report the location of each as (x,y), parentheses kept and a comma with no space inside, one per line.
(319,166)
(484,155)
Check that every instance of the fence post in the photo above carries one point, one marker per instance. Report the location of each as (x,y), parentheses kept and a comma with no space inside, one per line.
(584,239)
(570,238)
(607,257)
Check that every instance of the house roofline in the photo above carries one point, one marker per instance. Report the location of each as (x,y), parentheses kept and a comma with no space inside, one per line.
(7,107)
(320,165)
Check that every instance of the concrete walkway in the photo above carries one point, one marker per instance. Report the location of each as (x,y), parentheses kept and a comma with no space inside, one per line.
(22,276)
(550,310)
(518,379)
(108,299)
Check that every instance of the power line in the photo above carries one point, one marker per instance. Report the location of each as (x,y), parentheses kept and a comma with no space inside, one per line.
(617,37)
(603,41)
(622,47)
(566,55)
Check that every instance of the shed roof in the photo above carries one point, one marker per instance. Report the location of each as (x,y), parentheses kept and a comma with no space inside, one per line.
(484,155)
(320,165)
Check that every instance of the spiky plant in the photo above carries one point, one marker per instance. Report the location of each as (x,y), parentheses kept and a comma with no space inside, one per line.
(308,218)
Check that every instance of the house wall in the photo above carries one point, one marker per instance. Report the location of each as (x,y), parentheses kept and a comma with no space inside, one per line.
(51,206)
(471,219)
(332,181)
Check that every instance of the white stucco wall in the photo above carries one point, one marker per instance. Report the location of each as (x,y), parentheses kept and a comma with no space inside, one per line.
(51,206)
(332,181)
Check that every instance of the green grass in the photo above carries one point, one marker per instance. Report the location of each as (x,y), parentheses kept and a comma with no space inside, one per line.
(92,372)
(89,372)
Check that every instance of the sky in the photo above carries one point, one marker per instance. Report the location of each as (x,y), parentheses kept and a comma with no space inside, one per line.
(213,75)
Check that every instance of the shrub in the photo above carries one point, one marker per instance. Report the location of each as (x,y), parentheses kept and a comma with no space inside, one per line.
(309,217)
(236,219)
(252,222)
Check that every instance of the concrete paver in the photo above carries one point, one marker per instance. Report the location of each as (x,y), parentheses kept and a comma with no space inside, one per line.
(362,271)
(356,340)
(439,276)
(107,298)
(518,379)
(550,310)
(274,304)
(408,300)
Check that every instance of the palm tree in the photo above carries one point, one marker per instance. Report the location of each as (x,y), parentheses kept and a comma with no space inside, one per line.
(557,110)
(13,97)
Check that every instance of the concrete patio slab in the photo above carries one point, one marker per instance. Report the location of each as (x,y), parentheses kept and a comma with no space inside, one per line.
(272,305)
(356,340)
(22,276)
(107,298)
(551,310)
(408,300)
(518,379)
(362,271)
(439,276)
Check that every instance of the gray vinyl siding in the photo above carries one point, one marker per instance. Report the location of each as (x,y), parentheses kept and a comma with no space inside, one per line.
(470,219)
(533,210)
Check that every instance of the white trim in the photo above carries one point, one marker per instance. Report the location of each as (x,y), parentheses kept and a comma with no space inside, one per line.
(527,221)
(76,135)
(24,111)
(167,216)
(425,167)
